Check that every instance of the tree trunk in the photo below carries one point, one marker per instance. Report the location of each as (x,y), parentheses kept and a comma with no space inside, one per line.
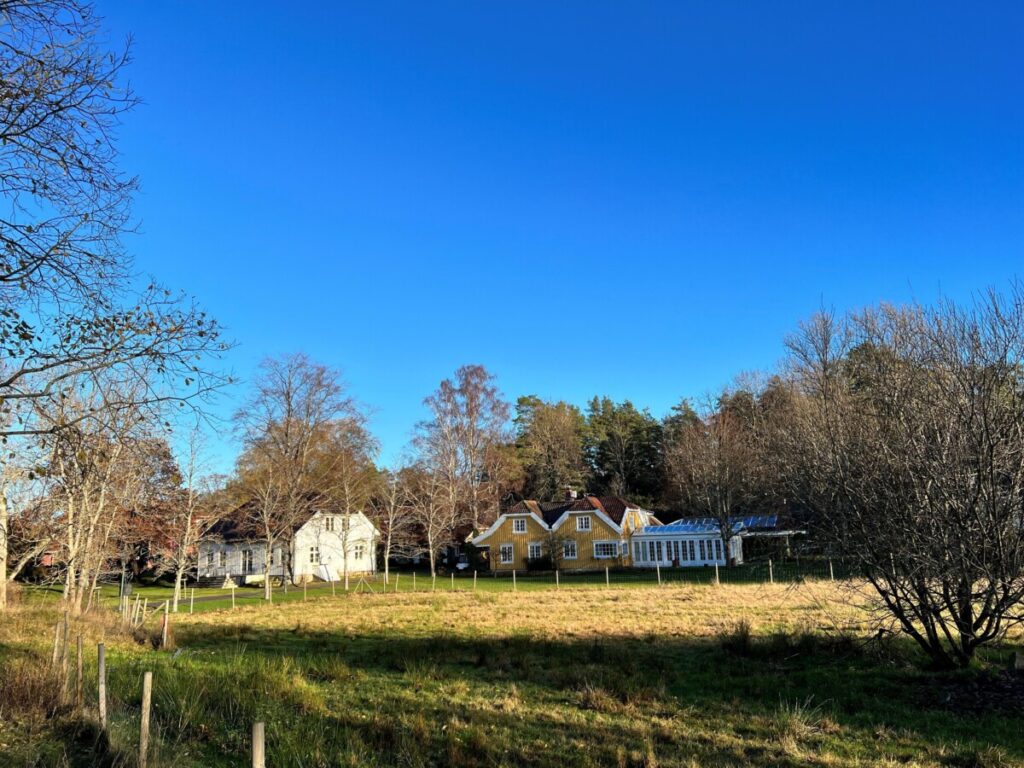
(179,576)
(3,548)
(267,555)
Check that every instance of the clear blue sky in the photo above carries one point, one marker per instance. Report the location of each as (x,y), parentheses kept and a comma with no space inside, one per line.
(632,199)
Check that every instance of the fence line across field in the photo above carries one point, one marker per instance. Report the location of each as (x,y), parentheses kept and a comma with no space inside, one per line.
(514,580)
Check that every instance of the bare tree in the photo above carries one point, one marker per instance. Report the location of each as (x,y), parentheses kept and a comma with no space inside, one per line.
(712,460)
(468,419)
(908,440)
(294,406)
(393,511)
(433,512)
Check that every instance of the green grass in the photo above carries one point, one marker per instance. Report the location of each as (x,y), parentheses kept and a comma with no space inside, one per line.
(578,677)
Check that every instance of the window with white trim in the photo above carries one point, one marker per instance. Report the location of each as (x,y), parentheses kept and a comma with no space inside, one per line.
(703,554)
(637,546)
(583,523)
(718,549)
(329,523)
(359,551)
(535,550)
(209,559)
(692,557)
(604,550)
(519,525)
(568,550)
(314,555)
(658,545)
(625,549)
(223,558)
(507,553)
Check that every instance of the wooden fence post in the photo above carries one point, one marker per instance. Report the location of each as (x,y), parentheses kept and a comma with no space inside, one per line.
(258,746)
(333,592)
(474,579)
(433,582)
(414,581)
(192,601)
(232,597)
(657,567)
(771,571)
(514,580)
(79,690)
(717,580)
(453,581)
(56,645)
(831,573)
(101,683)
(397,577)
(608,581)
(167,624)
(558,584)
(147,698)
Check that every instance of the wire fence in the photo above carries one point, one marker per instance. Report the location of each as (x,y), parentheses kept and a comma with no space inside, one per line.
(402,582)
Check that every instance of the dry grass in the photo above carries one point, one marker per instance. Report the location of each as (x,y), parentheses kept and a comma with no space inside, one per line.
(675,677)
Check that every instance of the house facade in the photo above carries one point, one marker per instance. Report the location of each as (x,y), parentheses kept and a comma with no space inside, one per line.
(325,547)
(586,533)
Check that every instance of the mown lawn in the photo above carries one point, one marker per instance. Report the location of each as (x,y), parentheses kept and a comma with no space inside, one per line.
(683,675)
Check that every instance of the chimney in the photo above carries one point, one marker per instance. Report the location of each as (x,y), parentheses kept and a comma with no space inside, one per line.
(570,493)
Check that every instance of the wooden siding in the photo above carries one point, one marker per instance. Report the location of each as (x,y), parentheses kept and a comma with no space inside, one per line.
(504,534)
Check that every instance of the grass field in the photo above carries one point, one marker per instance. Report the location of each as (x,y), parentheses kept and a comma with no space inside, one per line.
(684,675)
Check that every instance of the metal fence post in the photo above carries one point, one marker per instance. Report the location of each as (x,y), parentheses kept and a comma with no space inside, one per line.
(453,581)
(657,567)
(474,579)
(831,573)
(192,601)
(717,581)
(557,584)
(607,578)
(771,571)
(513,579)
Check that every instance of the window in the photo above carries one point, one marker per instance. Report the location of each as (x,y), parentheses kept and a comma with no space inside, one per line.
(506,553)
(659,551)
(691,552)
(583,523)
(314,555)
(604,550)
(718,549)
(675,550)
(625,549)
(223,558)
(209,559)
(650,551)
(519,525)
(359,552)
(637,546)
(246,561)
(682,552)
(569,550)
(273,556)
(535,551)
(329,523)
(703,556)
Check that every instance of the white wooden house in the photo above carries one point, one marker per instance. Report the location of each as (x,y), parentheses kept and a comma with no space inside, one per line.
(324,547)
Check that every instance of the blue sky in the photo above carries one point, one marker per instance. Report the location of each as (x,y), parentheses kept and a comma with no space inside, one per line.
(635,199)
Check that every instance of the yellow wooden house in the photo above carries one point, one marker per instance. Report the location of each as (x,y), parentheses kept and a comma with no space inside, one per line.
(585,533)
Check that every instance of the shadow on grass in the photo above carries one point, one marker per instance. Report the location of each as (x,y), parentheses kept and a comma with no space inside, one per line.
(377,699)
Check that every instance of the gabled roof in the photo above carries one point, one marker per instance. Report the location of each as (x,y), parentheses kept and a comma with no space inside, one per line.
(551,514)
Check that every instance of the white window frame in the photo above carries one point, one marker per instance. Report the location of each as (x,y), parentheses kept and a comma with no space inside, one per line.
(718,549)
(209,559)
(565,550)
(518,525)
(511,549)
(535,550)
(583,523)
(359,550)
(223,558)
(314,555)
(329,523)
(614,545)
